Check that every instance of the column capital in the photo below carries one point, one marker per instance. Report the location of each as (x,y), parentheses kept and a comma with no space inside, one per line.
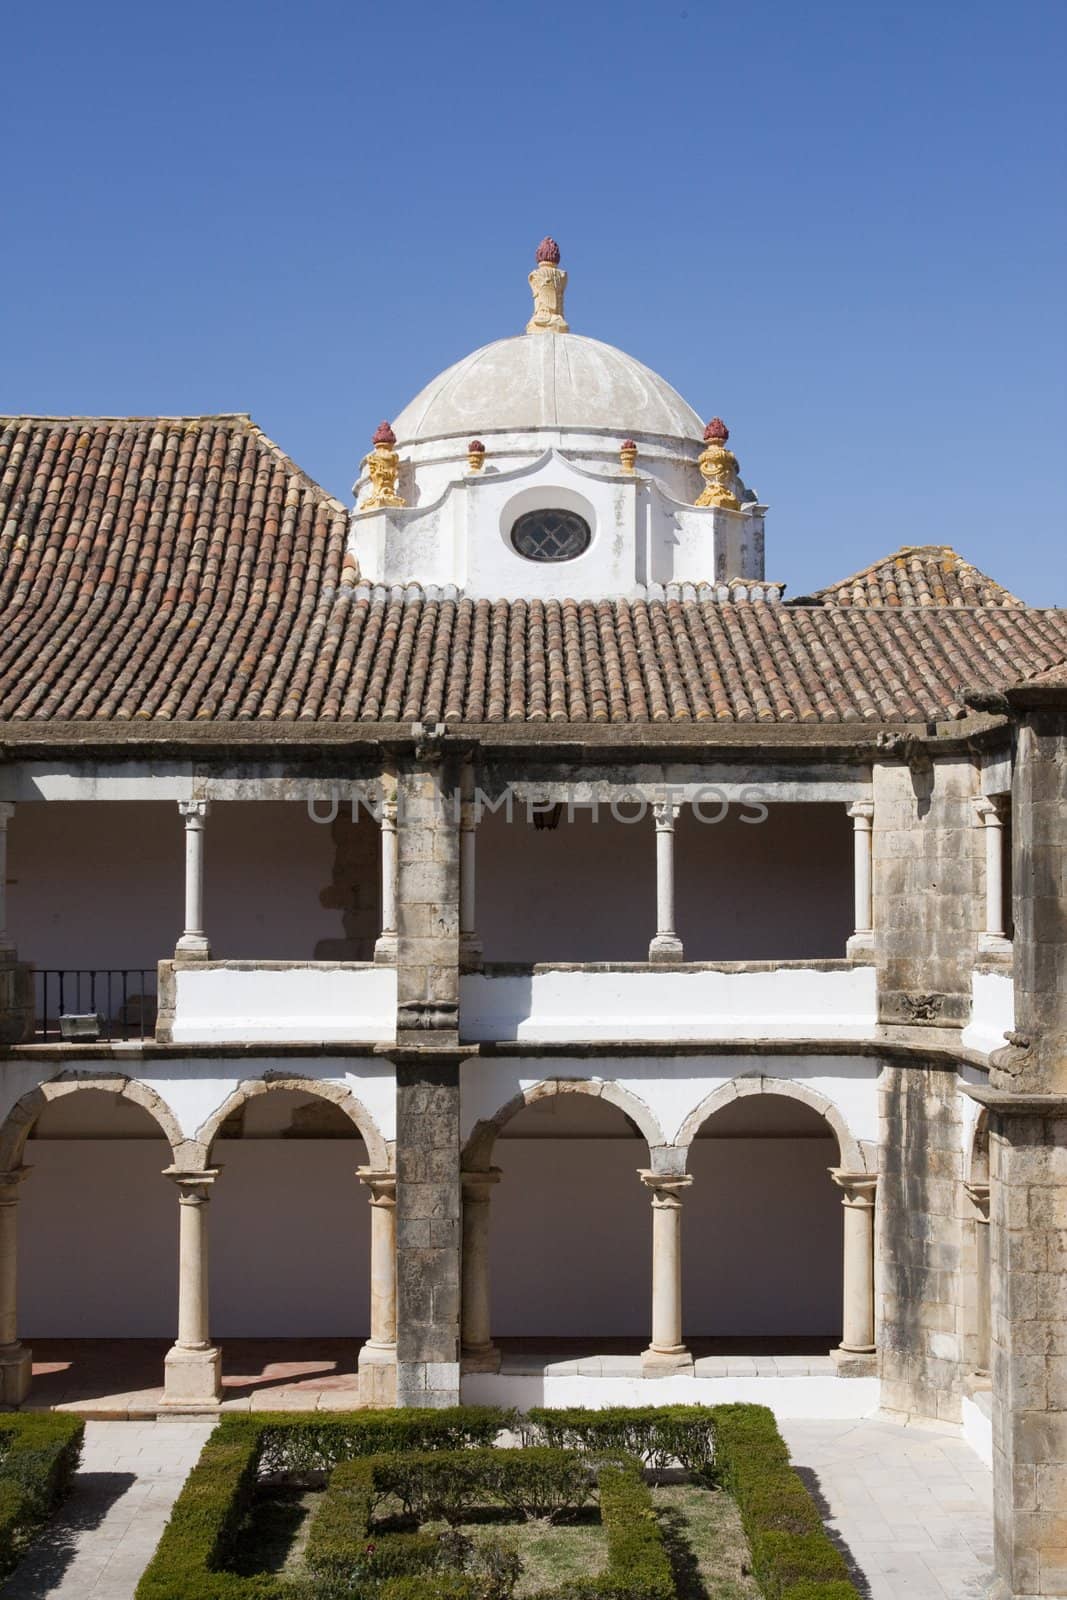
(476,1185)
(862,813)
(666,1187)
(9,1185)
(666,813)
(989,810)
(388,813)
(382,1185)
(858,1188)
(978,1195)
(193,1187)
(193,810)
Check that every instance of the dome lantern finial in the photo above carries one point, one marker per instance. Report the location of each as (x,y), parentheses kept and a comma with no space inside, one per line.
(549,283)
(718,468)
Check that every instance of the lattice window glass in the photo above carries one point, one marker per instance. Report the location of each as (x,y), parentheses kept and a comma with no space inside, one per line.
(551,535)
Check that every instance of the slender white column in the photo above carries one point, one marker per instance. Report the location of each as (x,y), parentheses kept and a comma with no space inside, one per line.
(479,1352)
(193,1366)
(989,815)
(16,1362)
(8,952)
(666,946)
(193,942)
(666,1353)
(862,940)
(377,1355)
(385,947)
(470,946)
(979,1196)
(857,1197)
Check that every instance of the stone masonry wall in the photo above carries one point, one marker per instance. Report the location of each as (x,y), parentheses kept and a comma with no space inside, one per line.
(918,1256)
(929,888)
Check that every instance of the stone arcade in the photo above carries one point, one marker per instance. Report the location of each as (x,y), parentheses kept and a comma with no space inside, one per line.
(678,969)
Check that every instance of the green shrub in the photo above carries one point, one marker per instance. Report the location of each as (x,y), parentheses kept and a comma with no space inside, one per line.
(295,1442)
(793,1557)
(656,1435)
(432,1586)
(41,1451)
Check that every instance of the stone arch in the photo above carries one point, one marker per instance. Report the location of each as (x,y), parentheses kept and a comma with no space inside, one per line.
(852,1154)
(478,1150)
(24,1113)
(378,1155)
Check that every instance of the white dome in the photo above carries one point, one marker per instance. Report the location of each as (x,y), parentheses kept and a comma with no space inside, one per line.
(555,381)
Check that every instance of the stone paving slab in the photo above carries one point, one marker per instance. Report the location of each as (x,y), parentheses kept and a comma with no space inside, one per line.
(104,1536)
(912,1505)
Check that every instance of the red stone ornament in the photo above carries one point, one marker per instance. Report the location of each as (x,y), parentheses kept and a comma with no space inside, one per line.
(476,447)
(716,431)
(384,434)
(548,251)
(628,444)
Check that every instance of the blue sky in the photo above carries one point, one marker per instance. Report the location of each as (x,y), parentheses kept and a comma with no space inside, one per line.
(840,226)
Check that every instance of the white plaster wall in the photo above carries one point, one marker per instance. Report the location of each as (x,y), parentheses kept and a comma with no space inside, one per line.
(670,1088)
(98,1239)
(314,1002)
(992,1011)
(978,1426)
(658,1004)
(101,884)
(571,1239)
(586,891)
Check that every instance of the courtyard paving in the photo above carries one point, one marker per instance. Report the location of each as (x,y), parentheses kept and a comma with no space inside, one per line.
(911,1505)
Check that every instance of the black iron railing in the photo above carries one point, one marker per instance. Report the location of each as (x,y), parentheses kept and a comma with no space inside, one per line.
(123,998)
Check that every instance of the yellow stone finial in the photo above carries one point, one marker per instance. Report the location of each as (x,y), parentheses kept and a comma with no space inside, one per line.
(383,467)
(718,468)
(549,284)
(628,456)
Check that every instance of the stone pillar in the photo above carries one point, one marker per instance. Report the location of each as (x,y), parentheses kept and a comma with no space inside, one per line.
(193,944)
(479,1352)
(385,946)
(978,1194)
(16,1362)
(470,947)
(1027,1105)
(193,1366)
(8,953)
(862,941)
(666,946)
(17,1004)
(855,1353)
(992,822)
(377,1356)
(666,1353)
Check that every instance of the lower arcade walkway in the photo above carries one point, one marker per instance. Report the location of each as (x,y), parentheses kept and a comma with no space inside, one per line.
(910,1506)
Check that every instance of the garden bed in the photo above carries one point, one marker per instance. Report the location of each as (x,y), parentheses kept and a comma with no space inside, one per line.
(39,1454)
(661,1503)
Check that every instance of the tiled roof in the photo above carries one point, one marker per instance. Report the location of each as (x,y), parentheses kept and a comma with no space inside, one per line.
(917,575)
(185,570)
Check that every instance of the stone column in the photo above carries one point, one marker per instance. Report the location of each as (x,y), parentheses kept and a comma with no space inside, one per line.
(992,822)
(17,1001)
(479,1352)
(666,1353)
(666,946)
(193,1366)
(377,1356)
(385,946)
(861,942)
(8,952)
(470,946)
(978,1194)
(193,944)
(855,1352)
(16,1362)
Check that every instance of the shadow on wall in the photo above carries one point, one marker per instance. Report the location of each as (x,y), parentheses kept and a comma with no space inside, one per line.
(779,890)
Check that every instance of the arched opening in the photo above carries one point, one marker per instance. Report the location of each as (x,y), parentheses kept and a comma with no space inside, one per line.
(762,1255)
(571,1229)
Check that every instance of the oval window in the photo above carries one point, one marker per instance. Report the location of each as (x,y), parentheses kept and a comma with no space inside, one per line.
(550,535)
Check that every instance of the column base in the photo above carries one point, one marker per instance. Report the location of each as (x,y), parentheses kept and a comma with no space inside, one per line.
(666,947)
(16,1372)
(855,1363)
(192,947)
(860,947)
(192,1379)
(994,944)
(377,1375)
(662,1363)
(485,1358)
(385,949)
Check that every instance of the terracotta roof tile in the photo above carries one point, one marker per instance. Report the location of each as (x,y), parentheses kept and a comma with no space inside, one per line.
(183,569)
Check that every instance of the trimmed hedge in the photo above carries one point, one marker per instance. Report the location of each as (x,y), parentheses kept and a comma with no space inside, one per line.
(656,1435)
(39,1455)
(793,1556)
